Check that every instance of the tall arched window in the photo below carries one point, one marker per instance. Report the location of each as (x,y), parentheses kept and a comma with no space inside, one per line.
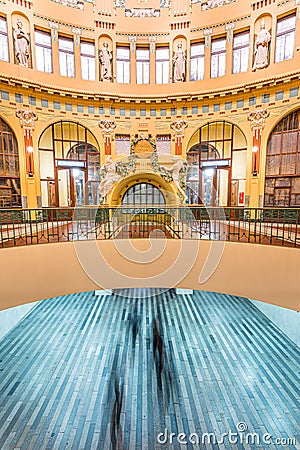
(143,194)
(217,165)
(282,185)
(69,165)
(10,192)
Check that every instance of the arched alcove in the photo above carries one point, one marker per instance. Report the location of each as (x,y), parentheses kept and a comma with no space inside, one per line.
(69,165)
(216,160)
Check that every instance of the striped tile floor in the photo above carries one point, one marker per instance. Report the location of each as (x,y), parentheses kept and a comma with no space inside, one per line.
(226,367)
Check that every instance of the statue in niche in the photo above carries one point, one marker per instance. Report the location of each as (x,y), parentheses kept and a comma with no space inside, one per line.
(179,63)
(261,48)
(21,44)
(105,58)
(110,178)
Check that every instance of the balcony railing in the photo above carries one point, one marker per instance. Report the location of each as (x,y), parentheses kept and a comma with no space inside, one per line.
(254,225)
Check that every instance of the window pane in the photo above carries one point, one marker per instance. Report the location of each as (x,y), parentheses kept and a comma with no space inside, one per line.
(87,48)
(285,38)
(42,38)
(65,44)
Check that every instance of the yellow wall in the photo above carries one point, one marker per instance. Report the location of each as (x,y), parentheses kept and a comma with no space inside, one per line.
(100,21)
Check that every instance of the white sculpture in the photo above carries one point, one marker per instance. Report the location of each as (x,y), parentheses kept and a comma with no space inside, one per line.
(179,60)
(261,48)
(105,58)
(21,44)
(176,171)
(111,177)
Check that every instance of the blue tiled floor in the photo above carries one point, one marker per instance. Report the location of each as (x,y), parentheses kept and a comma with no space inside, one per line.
(226,366)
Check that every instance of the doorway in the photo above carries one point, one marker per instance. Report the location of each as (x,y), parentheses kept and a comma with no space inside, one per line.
(71,187)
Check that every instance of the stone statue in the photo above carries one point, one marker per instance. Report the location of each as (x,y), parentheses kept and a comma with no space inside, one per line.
(179,63)
(261,48)
(21,44)
(111,177)
(105,58)
(177,170)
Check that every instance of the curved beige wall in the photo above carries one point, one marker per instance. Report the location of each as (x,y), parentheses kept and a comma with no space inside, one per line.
(265,273)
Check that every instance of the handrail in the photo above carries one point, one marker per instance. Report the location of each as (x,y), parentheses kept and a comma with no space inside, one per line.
(276,226)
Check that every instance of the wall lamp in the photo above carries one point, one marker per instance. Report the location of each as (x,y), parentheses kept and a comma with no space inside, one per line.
(30,160)
(255,150)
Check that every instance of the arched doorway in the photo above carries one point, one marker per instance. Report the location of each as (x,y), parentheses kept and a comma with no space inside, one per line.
(69,165)
(10,191)
(217,165)
(143,194)
(282,184)
(143,212)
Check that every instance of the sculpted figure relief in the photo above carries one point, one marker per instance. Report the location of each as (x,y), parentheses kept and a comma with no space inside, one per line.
(261,48)
(21,44)
(179,63)
(105,58)
(111,177)
(176,170)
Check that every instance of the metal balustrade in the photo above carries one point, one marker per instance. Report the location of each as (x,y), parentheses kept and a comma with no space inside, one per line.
(276,226)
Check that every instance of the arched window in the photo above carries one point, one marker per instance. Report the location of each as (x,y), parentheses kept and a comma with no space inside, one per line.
(282,185)
(216,160)
(10,192)
(69,165)
(143,194)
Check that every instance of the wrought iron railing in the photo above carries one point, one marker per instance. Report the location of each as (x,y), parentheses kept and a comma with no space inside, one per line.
(43,225)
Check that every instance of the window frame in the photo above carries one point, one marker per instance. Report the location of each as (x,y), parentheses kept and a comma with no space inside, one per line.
(199,58)
(125,64)
(89,60)
(64,52)
(145,66)
(284,34)
(45,48)
(239,49)
(164,63)
(217,53)
(5,39)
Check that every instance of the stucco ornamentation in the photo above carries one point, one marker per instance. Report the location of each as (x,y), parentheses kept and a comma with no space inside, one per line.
(112,172)
(142,12)
(178,127)
(107,127)
(258,120)
(27,118)
(73,3)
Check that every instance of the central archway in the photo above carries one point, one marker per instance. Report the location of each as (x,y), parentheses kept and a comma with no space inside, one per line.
(143,194)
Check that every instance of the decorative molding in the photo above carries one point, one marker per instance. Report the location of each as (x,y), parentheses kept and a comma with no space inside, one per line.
(207,32)
(79,4)
(257,120)
(142,12)
(229,27)
(178,127)
(107,127)
(222,24)
(27,119)
(209,4)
